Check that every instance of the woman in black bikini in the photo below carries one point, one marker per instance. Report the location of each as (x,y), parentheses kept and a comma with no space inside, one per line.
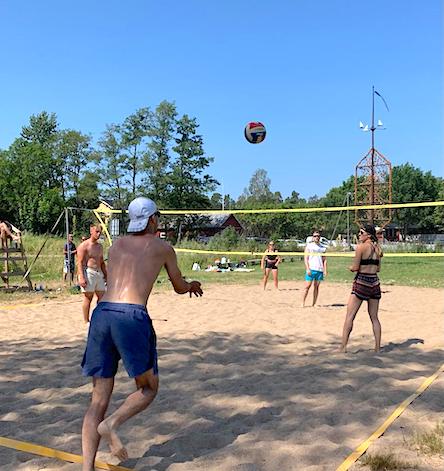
(269,263)
(366,264)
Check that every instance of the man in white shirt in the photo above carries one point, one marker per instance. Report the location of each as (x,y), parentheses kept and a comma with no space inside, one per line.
(315,266)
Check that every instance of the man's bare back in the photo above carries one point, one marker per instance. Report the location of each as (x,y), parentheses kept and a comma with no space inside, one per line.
(121,328)
(134,262)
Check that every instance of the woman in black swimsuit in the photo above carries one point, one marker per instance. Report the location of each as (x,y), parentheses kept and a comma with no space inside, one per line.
(269,263)
(366,264)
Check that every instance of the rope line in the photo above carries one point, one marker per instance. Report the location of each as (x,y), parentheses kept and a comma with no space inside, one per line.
(301,254)
(289,210)
(362,448)
(53,453)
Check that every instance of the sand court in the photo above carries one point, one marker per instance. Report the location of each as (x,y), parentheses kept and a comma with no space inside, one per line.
(249,380)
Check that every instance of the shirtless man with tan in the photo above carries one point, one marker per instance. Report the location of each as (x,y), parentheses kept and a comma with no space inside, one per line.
(122,329)
(5,234)
(91,269)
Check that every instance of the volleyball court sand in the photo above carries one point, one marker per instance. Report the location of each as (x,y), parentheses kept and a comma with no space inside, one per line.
(249,379)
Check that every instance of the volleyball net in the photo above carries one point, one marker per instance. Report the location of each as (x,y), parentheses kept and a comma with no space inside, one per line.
(245,232)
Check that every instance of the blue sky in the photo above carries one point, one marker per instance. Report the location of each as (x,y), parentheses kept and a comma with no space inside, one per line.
(303,68)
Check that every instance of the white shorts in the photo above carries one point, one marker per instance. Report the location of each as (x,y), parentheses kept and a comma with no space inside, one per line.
(71,267)
(95,281)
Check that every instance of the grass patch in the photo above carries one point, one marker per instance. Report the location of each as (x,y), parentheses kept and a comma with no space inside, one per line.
(430,442)
(385,462)
(408,271)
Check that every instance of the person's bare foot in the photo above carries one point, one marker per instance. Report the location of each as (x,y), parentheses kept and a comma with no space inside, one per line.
(115,445)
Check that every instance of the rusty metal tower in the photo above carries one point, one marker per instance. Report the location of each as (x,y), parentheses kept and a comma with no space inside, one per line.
(373,179)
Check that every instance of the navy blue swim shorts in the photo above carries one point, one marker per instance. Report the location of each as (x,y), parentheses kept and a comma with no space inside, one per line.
(120,331)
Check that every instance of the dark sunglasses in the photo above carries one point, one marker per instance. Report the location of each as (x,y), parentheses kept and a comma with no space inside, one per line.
(157,213)
(361,231)
(316,235)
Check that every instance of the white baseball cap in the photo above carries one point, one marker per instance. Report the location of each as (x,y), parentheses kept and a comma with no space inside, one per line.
(139,211)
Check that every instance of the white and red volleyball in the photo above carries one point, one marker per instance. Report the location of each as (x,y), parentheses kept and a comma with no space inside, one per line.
(255,132)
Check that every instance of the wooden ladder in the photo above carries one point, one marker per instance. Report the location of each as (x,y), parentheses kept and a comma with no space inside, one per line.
(15,263)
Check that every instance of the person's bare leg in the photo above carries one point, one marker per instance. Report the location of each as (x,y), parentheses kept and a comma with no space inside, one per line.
(306,290)
(266,275)
(354,303)
(275,278)
(147,385)
(373,307)
(86,305)
(315,292)
(102,389)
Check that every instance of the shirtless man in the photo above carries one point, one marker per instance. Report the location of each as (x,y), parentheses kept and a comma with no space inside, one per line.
(121,328)
(5,234)
(91,269)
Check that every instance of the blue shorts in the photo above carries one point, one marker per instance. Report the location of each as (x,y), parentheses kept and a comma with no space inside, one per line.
(315,276)
(120,331)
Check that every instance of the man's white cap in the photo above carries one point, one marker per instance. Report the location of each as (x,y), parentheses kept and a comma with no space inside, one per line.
(139,211)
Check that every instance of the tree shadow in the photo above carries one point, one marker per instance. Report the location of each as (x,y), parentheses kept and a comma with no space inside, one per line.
(221,396)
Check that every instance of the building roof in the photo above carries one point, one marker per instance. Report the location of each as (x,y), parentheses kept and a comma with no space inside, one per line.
(218,220)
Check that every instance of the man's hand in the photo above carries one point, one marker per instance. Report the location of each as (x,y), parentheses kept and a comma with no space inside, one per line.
(82,282)
(308,272)
(195,289)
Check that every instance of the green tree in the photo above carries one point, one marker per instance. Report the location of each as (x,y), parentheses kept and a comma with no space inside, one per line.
(411,184)
(438,213)
(216,201)
(157,157)
(112,165)
(258,191)
(135,130)
(37,202)
(32,191)
(188,185)
(42,129)
(73,153)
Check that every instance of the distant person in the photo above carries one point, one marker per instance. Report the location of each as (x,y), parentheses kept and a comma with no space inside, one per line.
(366,287)
(269,263)
(6,234)
(121,328)
(315,266)
(91,269)
(69,252)
(379,234)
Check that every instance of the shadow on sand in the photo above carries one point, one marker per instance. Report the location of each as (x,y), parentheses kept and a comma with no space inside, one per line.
(220,395)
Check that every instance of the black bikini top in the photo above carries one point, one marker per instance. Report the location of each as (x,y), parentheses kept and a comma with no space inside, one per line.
(271,257)
(370,260)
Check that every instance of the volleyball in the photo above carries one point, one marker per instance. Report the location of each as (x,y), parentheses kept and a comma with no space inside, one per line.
(255,132)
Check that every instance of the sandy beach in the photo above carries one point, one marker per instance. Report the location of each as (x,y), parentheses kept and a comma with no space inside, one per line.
(249,380)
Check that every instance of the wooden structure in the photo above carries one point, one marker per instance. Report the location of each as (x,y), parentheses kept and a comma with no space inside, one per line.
(13,260)
(218,222)
(373,180)
(373,185)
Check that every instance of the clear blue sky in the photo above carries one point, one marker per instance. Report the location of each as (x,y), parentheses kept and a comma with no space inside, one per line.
(304,68)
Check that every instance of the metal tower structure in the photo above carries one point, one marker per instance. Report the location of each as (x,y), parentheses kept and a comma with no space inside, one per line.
(373,179)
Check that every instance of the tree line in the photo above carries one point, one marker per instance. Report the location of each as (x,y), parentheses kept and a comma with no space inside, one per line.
(157,153)
(152,152)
